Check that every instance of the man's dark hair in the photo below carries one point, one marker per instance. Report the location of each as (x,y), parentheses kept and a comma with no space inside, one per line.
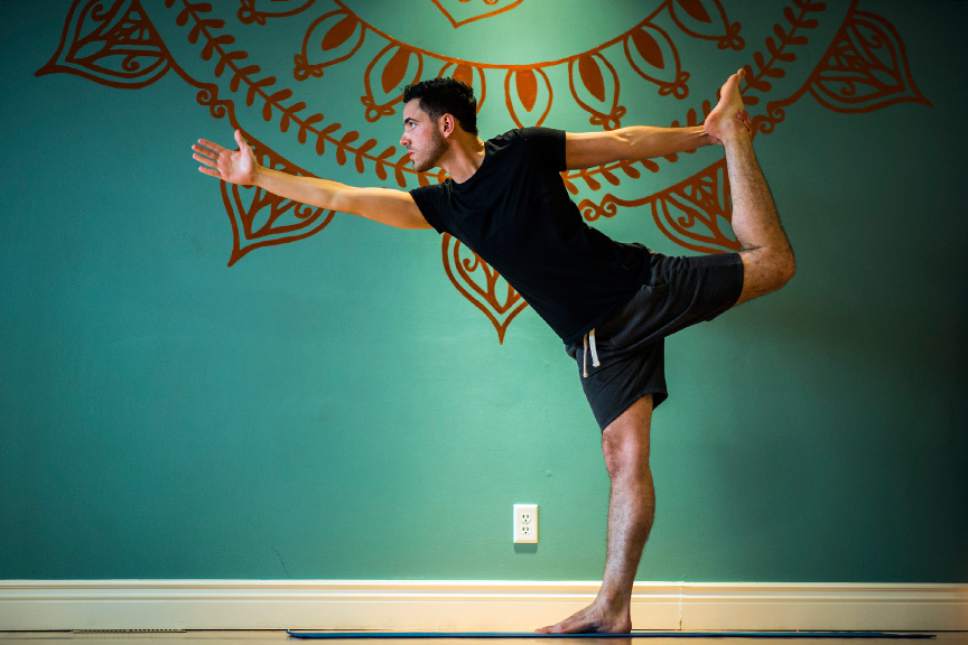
(446,96)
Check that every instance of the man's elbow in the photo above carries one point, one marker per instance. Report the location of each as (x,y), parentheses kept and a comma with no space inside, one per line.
(625,143)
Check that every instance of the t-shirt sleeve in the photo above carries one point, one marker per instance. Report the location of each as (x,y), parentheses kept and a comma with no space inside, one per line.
(428,200)
(546,146)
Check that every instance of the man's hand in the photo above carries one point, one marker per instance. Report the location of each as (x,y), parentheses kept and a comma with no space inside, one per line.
(728,119)
(234,166)
(384,205)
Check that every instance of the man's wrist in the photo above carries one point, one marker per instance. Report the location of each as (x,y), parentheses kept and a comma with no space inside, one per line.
(258,175)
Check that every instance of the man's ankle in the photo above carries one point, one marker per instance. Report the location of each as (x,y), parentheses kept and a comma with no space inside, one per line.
(739,139)
(613,598)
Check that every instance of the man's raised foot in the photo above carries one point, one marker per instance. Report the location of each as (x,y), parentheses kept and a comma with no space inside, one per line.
(729,120)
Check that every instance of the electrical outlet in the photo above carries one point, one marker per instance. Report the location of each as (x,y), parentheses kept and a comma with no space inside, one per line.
(525,523)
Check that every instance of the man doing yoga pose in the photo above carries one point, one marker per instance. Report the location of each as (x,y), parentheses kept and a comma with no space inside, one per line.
(610,302)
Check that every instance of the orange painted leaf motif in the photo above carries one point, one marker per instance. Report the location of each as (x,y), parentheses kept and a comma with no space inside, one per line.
(527,86)
(652,54)
(332,38)
(695,9)
(260,218)
(481,285)
(595,86)
(339,33)
(256,11)
(464,74)
(460,12)
(591,76)
(694,213)
(395,69)
(865,68)
(117,47)
(528,95)
(707,19)
(469,74)
(648,48)
(391,68)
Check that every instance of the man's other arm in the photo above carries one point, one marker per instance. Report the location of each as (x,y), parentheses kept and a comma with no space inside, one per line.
(634,143)
(385,205)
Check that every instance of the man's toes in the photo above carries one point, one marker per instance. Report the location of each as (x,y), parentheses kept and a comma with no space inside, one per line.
(574,627)
(558,628)
(551,629)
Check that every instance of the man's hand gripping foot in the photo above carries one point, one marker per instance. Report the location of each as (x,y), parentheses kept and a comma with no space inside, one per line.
(728,119)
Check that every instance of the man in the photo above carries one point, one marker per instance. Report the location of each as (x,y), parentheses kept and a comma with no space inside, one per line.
(505,199)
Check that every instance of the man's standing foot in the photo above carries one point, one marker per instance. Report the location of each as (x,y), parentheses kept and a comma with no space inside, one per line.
(594,619)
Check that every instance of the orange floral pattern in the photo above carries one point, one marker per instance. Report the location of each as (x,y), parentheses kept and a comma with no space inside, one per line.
(863,68)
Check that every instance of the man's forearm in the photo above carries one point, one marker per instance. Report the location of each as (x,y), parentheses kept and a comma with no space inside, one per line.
(647,141)
(307,190)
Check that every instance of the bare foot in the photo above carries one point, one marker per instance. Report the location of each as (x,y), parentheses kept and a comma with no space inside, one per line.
(728,119)
(592,619)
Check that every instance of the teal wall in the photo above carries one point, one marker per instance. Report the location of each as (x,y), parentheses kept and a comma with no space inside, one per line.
(334,408)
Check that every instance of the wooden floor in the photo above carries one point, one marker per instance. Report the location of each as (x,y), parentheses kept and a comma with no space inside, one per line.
(275,637)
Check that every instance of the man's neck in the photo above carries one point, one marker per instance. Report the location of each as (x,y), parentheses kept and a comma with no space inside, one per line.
(463,159)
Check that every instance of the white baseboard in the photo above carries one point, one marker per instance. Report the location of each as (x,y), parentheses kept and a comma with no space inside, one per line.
(470,605)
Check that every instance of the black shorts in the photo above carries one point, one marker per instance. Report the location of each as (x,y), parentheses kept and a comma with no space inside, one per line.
(629,347)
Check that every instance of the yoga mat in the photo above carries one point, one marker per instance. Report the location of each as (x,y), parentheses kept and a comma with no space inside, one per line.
(803,634)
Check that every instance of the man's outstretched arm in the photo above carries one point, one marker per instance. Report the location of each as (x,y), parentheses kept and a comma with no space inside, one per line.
(634,143)
(384,205)
(587,149)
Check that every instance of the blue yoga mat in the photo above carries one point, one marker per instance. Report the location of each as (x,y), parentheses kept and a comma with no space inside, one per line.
(804,634)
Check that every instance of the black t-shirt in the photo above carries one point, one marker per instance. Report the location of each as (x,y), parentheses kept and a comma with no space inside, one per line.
(515,213)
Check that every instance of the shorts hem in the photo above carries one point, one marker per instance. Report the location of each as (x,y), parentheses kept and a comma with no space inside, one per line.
(656,402)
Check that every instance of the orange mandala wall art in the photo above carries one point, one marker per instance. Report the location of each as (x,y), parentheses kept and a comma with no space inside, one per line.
(846,58)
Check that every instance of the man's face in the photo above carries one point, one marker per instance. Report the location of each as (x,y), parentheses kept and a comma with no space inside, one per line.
(421,137)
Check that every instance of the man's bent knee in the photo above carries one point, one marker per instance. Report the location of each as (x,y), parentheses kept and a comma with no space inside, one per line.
(787,267)
(765,271)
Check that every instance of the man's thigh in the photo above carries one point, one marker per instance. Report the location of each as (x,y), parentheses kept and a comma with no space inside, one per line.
(687,290)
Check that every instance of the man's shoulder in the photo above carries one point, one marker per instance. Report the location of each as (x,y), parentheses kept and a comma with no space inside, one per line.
(541,145)
(524,140)
(527,133)
(438,192)
(434,188)
(505,138)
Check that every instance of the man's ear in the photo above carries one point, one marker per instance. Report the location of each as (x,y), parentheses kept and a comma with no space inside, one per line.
(447,124)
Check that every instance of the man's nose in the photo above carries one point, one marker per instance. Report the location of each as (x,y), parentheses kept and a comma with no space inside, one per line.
(404,141)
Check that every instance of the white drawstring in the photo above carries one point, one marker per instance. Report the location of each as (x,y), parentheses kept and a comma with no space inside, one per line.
(584,357)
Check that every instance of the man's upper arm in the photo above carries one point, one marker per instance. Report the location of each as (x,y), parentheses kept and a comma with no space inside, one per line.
(385,205)
(587,149)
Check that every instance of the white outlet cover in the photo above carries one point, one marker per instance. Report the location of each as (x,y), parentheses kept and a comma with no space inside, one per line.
(525,524)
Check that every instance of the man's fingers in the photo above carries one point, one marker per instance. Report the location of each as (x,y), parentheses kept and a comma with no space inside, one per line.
(216,148)
(209,171)
(207,154)
(204,160)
